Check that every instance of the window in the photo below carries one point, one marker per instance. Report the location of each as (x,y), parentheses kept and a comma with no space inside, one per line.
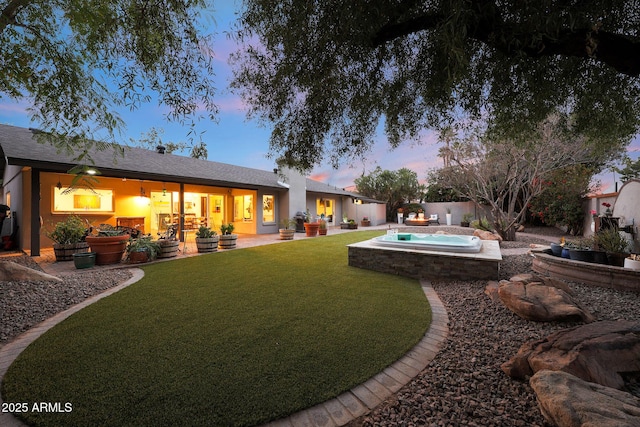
(82,200)
(243,208)
(268,209)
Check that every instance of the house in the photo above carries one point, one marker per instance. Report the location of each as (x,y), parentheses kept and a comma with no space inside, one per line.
(150,190)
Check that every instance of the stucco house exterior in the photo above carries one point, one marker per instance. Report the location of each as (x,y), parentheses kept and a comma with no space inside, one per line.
(149,190)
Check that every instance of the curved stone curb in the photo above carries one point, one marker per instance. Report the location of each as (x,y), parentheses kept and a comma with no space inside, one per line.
(364,397)
(10,352)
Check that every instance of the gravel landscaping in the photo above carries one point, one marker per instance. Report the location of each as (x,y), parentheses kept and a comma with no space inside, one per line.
(463,386)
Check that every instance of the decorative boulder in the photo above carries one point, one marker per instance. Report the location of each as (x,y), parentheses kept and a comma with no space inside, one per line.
(597,352)
(486,235)
(568,401)
(11,271)
(540,302)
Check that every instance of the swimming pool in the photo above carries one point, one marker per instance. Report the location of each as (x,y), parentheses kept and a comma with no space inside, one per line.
(431,242)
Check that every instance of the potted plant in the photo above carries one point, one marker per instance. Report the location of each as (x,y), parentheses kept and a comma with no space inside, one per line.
(420,213)
(366,222)
(466,219)
(311,228)
(69,238)
(142,249)
(227,238)
(206,239)
(614,244)
(607,211)
(287,228)
(400,215)
(322,227)
(581,250)
(109,243)
(169,243)
(448,216)
(632,262)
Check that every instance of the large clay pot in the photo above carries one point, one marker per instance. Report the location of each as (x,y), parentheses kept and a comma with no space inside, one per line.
(108,249)
(311,228)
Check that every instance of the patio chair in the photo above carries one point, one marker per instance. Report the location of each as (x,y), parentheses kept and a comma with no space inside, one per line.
(433,219)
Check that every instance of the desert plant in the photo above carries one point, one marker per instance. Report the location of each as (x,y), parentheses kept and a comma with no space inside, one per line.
(72,230)
(144,244)
(323,224)
(467,217)
(226,229)
(288,223)
(482,223)
(610,240)
(205,232)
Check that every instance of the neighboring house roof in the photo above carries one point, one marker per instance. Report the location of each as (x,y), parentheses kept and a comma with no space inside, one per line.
(19,147)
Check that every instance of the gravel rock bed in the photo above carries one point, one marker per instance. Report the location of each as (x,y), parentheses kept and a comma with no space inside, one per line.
(25,304)
(464,385)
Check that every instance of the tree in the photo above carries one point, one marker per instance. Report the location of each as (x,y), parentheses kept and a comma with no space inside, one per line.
(326,73)
(630,170)
(562,198)
(67,56)
(153,138)
(508,176)
(395,188)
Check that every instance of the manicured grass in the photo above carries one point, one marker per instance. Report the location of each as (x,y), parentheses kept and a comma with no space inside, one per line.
(233,338)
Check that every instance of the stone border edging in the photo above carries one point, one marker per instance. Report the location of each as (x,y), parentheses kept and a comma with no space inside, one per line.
(9,352)
(366,396)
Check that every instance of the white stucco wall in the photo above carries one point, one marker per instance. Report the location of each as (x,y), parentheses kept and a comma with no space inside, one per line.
(627,208)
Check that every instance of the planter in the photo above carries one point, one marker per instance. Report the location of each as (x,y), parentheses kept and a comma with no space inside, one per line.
(348,226)
(366,223)
(420,215)
(168,248)
(108,249)
(464,224)
(448,219)
(322,231)
(138,257)
(207,244)
(565,253)
(84,260)
(631,264)
(617,258)
(287,233)
(556,249)
(585,255)
(65,252)
(400,218)
(600,257)
(227,241)
(311,228)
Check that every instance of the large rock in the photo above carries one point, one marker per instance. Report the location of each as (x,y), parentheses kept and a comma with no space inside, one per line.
(597,352)
(540,302)
(486,235)
(567,401)
(11,271)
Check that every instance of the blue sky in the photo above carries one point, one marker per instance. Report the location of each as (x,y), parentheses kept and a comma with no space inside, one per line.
(235,140)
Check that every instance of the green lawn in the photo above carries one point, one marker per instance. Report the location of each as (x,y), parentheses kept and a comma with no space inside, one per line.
(230,338)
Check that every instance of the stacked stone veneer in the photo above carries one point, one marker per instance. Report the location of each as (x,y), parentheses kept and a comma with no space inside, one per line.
(607,276)
(434,265)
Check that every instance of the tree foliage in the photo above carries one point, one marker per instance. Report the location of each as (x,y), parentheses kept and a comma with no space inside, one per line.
(153,138)
(65,57)
(630,170)
(327,73)
(508,176)
(393,187)
(562,198)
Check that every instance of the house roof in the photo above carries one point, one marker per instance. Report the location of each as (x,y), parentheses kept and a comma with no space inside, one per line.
(19,147)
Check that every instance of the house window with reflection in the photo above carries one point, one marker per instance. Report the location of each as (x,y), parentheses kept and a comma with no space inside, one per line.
(268,209)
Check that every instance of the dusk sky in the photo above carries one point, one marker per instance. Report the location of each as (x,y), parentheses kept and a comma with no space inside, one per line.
(237,141)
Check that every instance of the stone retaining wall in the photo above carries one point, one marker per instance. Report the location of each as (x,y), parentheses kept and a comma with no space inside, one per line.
(607,276)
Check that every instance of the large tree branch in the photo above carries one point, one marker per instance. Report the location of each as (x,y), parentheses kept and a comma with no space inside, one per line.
(8,14)
(615,50)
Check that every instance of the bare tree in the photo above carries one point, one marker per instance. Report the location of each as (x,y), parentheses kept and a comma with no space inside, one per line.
(507,175)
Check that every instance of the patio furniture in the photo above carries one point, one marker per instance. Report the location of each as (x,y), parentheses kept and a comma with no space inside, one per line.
(433,219)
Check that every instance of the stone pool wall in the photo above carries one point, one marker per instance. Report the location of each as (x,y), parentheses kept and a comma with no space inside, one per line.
(434,265)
